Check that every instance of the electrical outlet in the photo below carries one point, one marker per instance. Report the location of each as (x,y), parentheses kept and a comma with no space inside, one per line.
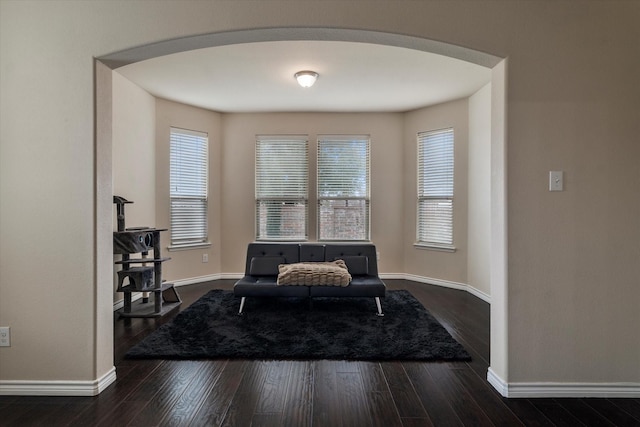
(205,257)
(5,336)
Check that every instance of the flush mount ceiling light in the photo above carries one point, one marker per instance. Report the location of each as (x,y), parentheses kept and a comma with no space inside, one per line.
(306,78)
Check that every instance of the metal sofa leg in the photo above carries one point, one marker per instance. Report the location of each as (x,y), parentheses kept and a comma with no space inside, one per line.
(241,305)
(379,313)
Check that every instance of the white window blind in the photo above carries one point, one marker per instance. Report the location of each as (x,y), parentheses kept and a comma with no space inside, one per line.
(188,186)
(282,181)
(343,188)
(435,188)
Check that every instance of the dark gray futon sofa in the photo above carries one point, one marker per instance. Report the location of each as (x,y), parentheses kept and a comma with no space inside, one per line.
(264,259)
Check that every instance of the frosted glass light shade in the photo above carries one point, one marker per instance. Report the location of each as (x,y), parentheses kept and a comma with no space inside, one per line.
(306,78)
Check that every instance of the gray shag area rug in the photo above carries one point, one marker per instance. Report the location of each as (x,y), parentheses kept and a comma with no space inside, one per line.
(302,329)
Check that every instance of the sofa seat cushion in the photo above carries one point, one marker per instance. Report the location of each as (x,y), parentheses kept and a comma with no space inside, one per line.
(265,286)
(333,273)
(360,286)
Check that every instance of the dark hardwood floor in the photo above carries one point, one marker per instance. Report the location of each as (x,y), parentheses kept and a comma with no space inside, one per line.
(314,393)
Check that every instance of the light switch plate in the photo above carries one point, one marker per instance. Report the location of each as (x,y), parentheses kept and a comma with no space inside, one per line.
(5,336)
(556,181)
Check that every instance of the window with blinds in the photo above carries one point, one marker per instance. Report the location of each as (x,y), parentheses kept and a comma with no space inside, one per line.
(188,186)
(282,181)
(435,188)
(343,188)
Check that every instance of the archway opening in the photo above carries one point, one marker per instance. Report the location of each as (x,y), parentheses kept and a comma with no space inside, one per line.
(498,364)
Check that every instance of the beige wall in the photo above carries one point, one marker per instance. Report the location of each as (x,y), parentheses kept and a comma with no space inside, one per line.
(430,263)
(187,264)
(134,156)
(570,309)
(134,151)
(238,203)
(48,221)
(479,191)
(232,160)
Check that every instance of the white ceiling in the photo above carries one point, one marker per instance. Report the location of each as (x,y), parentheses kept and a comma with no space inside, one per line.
(354,77)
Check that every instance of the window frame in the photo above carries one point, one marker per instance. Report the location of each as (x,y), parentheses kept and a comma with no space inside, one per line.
(294,197)
(444,181)
(191,188)
(366,198)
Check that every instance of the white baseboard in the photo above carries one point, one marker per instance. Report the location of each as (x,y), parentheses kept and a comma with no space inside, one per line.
(200,279)
(444,283)
(553,389)
(398,276)
(497,382)
(232,276)
(392,276)
(58,388)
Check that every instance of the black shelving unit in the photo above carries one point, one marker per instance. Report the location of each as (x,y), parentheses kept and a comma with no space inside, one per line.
(143,273)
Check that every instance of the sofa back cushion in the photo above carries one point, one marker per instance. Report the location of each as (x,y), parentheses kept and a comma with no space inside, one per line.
(278,253)
(310,252)
(358,265)
(265,265)
(359,257)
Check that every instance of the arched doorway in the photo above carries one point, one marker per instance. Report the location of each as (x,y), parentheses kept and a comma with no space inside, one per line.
(498,365)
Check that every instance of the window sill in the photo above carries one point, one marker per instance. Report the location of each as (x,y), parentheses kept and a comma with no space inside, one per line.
(344,241)
(281,240)
(189,246)
(435,247)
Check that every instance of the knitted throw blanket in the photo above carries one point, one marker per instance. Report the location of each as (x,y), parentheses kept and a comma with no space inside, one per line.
(333,273)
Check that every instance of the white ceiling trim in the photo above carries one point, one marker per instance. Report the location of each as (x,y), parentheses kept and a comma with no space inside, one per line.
(167,47)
